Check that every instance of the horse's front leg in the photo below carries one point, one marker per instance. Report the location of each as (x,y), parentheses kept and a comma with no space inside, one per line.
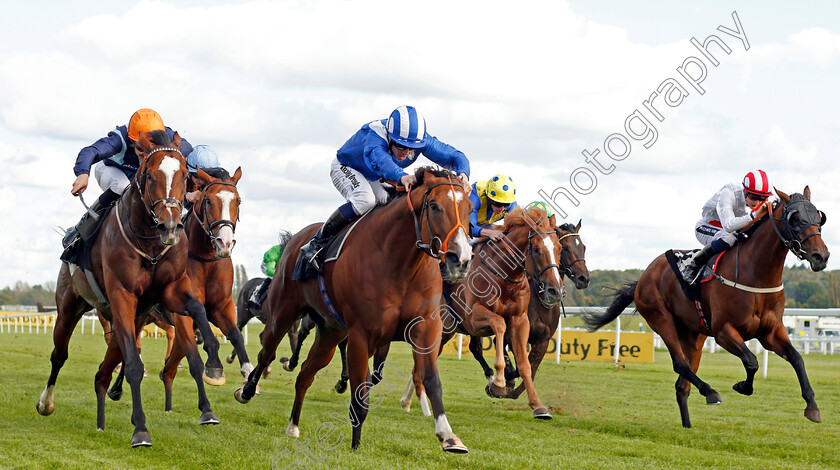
(480,318)
(123,308)
(423,336)
(178,298)
(113,356)
(729,339)
(225,319)
(779,342)
(520,328)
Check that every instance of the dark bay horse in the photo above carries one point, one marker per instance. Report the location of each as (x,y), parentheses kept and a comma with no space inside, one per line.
(244,314)
(138,260)
(544,318)
(494,298)
(210,228)
(751,308)
(385,288)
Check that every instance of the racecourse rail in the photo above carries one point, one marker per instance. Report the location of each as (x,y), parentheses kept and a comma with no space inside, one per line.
(35,323)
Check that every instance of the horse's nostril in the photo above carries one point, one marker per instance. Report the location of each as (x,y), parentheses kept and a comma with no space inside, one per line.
(817,258)
(452,258)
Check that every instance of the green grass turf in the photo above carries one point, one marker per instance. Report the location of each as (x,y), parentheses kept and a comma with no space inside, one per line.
(603,417)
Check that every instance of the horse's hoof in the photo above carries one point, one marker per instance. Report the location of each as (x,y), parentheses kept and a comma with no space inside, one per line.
(141,439)
(542,413)
(229,359)
(813,415)
(238,395)
(145,374)
(266,372)
(208,417)
(115,394)
(714,399)
(494,391)
(292,430)
(46,410)
(215,377)
(341,386)
(454,445)
(742,388)
(406,406)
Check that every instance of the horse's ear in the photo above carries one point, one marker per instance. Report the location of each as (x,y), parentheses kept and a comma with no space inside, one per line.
(176,139)
(807,192)
(552,220)
(236,175)
(577,227)
(784,197)
(144,142)
(202,177)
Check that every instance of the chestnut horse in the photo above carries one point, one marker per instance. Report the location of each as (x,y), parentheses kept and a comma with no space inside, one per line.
(494,298)
(138,260)
(544,318)
(210,228)
(384,287)
(751,307)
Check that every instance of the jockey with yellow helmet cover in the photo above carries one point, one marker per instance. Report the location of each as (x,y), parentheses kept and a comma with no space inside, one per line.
(734,207)
(120,157)
(379,151)
(491,200)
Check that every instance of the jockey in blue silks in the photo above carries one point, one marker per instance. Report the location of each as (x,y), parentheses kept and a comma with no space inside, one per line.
(380,150)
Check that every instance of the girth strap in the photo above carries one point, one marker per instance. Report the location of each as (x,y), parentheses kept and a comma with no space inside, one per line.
(322,286)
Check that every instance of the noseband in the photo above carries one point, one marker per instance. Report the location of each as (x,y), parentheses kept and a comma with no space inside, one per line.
(169,202)
(808,216)
(428,248)
(203,220)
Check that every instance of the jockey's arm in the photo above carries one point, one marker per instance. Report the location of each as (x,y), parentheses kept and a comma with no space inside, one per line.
(725,209)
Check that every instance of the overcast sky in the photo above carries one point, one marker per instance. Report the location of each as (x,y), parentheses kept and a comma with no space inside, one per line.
(522,88)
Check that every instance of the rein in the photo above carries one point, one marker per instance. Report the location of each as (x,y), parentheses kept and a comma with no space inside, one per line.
(428,247)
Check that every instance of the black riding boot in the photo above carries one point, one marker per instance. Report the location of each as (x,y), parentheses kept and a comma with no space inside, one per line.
(258,296)
(694,268)
(87,223)
(312,250)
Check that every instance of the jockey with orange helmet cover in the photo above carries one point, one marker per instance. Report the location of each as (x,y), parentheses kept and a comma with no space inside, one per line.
(380,150)
(120,157)
(491,200)
(734,207)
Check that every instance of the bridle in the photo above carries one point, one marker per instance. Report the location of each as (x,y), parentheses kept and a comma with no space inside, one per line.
(169,202)
(203,221)
(521,263)
(428,248)
(790,234)
(567,268)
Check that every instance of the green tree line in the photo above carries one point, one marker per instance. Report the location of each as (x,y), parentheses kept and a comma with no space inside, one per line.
(803,288)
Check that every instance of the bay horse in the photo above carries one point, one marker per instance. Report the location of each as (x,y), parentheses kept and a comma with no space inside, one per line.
(751,307)
(495,296)
(139,260)
(543,318)
(386,286)
(210,228)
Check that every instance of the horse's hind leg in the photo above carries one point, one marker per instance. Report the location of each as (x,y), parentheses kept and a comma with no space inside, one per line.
(341,385)
(116,390)
(302,328)
(70,310)
(692,347)
(778,342)
(731,340)
(275,328)
(379,357)
(320,354)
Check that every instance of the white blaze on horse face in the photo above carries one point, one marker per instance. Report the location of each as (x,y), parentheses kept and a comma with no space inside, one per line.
(549,246)
(169,166)
(463,246)
(226,232)
(458,197)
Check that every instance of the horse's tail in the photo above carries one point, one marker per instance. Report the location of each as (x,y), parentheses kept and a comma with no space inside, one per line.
(595,320)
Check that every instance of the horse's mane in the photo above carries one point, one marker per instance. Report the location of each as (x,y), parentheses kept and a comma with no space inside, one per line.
(516,217)
(159,138)
(217,172)
(567,227)
(420,174)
